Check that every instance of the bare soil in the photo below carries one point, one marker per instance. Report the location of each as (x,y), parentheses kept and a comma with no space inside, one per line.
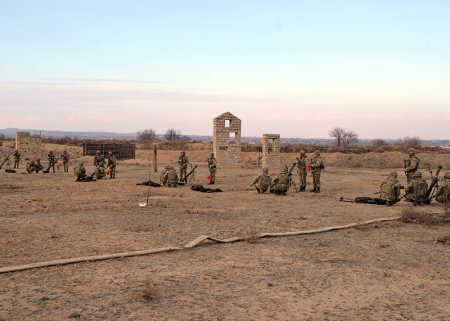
(387,271)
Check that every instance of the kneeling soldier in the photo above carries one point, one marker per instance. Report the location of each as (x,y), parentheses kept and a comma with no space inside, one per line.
(280,184)
(80,172)
(417,189)
(171,177)
(443,193)
(262,181)
(390,189)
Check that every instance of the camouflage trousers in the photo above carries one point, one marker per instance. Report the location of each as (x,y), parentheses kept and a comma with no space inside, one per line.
(212,174)
(302,177)
(183,173)
(16,163)
(66,167)
(409,176)
(112,172)
(316,178)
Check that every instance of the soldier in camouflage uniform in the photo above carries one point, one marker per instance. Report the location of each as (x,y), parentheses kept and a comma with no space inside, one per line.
(317,167)
(262,181)
(302,162)
(280,185)
(112,162)
(212,166)
(171,177)
(51,160)
(100,170)
(443,193)
(16,159)
(98,158)
(65,158)
(162,178)
(417,189)
(411,164)
(80,172)
(35,166)
(390,189)
(183,162)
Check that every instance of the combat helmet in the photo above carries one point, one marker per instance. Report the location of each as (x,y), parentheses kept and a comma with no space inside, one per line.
(447,175)
(393,174)
(411,151)
(317,152)
(265,170)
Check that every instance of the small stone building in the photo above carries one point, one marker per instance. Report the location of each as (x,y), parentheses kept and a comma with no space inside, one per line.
(271,150)
(227,139)
(29,147)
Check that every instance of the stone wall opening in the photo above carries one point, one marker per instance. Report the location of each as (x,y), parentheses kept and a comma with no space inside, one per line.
(227,139)
(271,150)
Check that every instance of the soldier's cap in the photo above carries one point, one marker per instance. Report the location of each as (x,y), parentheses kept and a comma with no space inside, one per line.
(302,152)
(447,175)
(109,153)
(167,167)
(393,174)
(97,152)
(285,170)
(317,152)
(411,151)
(212,154)
(265,170)
(171,167)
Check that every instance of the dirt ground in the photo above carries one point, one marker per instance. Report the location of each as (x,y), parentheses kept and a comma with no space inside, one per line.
(385,271)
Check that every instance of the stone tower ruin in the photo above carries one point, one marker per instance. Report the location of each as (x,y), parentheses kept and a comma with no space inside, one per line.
(271,150)
(227,139)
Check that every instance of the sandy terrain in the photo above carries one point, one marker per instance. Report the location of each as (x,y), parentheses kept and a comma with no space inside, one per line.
(388,271)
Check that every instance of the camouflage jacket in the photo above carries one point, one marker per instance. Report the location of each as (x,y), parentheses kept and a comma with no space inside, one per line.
(112,161)
(65,157)
(51,157)
(443,193)
(411,164)
(281,183)
(80,171)
(390,189)
(171,178)
(98,159)
(183,161)
(212,164)
(317,164)
(262,181)
(417,189)
(301,163)
(16,155)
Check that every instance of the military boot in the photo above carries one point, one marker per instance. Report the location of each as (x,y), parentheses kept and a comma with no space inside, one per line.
(317,190)
(302,188)
(313,190)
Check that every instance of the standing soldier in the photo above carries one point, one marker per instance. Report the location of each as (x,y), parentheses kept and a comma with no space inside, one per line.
(411,164)
(98,158)
(302,162)
(443,193)
(16,159)
(183,162)
(280,184)
(51,160)
(171,177)
(65,158)
(112,162)
(262,181)
(212,165)
(317,167)
(390,189)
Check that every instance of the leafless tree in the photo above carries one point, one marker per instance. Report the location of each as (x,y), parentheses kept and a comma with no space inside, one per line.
(147,135)
(338,134)
(379,142)
(349,138)
(172,134)
(414,142)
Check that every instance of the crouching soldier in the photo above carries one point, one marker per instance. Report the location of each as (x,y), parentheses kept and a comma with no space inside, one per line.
(35,166)
(80,172)
(262,181)
(171,177)
(162,178)
(443,193)
(390,189)
(417,190)
(280,184)
(100,171)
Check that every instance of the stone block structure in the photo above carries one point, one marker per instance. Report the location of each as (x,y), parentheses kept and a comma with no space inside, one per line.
(227,139)
(29,147)
(271,150)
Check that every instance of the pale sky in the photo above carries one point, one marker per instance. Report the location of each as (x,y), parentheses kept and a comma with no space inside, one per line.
(297,68)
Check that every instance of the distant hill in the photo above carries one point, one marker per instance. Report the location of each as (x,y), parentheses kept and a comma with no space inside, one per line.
(11,133)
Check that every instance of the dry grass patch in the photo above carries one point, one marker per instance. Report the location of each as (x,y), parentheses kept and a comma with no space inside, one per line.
(411,215)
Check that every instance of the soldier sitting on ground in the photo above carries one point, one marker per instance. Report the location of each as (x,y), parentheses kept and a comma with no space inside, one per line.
(262,181)
(100,171)
(280,184)
(443,193)
(35,166)
(171,177)
(162,178)
(390,189)
(417,190)
(80,172)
